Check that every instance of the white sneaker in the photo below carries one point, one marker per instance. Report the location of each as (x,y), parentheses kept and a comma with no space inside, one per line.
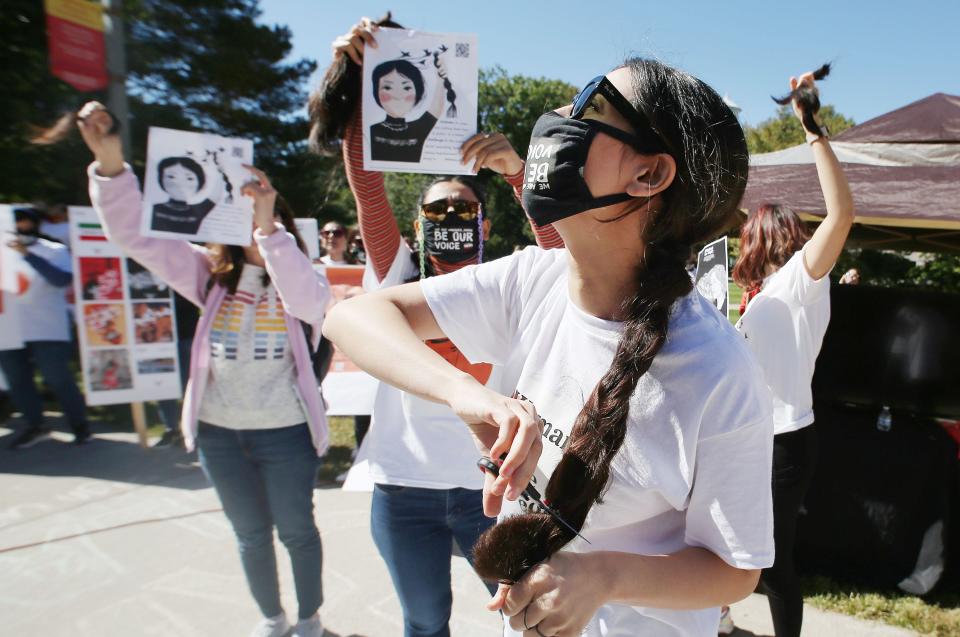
(726,622)
(312,627)
(272,627)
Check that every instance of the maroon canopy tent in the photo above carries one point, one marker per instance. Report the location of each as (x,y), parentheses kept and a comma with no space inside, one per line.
(903,168)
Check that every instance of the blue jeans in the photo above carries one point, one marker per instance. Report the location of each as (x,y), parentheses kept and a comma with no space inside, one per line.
(169,410)
(265,477)
(52,358)
(414,530)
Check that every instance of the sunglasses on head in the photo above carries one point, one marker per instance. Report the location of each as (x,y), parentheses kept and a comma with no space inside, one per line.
(337,233)
(647,136)
(439,210)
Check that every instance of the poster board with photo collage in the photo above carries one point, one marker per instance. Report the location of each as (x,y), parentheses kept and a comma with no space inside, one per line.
(126,323)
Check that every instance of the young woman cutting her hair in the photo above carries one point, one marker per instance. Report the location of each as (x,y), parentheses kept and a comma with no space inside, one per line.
(626,413)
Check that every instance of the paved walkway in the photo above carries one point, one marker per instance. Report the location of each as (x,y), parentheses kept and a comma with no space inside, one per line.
(111,539)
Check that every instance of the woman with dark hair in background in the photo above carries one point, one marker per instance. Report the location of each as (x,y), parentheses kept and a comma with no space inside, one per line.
(784,315)
(251,406)
(651,448)
(333,241)
(420,506)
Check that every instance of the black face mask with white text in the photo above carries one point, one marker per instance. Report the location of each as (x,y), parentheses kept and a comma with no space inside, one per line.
(452,240)
(553,183)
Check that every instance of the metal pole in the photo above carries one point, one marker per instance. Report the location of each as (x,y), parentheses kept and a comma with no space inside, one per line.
(117,68)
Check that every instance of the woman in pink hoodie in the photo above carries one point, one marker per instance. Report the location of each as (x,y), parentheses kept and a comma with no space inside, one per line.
(252,407)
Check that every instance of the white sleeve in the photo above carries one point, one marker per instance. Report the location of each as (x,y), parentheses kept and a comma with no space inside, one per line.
(805,288)
(731,506)
(478,307)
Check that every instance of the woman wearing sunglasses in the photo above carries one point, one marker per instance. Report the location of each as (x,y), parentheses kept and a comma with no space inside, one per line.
(420,505)
(638,411)
(333,240)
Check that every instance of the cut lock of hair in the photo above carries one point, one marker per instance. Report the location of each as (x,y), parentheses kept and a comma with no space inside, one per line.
(701,203)
(808,100)
(61,129)
(331,106)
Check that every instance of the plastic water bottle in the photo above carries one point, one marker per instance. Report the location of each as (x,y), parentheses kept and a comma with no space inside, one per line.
(885,419)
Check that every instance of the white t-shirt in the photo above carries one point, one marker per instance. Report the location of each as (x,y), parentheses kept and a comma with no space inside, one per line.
(784,327)
(414,442)
(694,468)
(328,260)
(42,305)
(252,371)
(59,231)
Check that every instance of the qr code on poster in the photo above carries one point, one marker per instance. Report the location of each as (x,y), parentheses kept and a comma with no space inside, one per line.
(463,49)
(237,151)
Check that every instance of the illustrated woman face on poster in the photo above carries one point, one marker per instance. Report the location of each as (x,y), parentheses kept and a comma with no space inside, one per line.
(183,180)
(399,86)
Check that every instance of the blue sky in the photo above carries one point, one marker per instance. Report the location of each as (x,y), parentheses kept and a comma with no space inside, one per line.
(886,53)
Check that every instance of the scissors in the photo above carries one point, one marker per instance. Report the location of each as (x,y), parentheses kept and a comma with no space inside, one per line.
(486,464)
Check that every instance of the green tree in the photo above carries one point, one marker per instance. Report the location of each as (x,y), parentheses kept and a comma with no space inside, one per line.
(31,96)
(205,65)
(511,104)
(784,130)
(212,62)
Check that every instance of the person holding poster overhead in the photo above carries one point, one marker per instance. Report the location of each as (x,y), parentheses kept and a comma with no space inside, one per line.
(43,271)
(420,506)
(784,315)
(252,407)
(625,415)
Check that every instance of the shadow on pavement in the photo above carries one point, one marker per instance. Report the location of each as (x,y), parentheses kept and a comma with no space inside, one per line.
(111,457)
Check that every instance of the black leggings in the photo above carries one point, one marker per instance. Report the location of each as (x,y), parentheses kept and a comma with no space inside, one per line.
(794,460)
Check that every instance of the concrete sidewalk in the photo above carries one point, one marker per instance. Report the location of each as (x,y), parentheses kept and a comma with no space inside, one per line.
(110,539)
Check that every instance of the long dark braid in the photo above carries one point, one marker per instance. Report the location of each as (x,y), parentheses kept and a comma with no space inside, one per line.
(448,87)
(701,202)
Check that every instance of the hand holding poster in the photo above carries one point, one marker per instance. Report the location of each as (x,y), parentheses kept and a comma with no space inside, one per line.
(419,101)
(191,190)
(711,277)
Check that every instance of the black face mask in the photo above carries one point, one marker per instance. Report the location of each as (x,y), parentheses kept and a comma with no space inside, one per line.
(453,240)
(553,183)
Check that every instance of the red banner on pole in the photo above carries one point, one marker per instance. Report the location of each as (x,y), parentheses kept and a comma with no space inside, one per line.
(75,35)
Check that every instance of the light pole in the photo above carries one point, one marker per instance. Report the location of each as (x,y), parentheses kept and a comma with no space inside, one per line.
(117,68)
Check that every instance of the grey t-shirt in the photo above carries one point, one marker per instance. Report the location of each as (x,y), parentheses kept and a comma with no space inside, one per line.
(252,370)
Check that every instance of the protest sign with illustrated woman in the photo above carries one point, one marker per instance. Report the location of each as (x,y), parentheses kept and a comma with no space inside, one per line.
(419,101)
(191,188)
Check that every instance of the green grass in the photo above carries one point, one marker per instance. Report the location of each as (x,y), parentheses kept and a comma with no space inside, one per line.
(342,443)
(736,293)
(937,614)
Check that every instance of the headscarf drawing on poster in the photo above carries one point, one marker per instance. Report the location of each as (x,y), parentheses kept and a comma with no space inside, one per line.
(419,101)
(712,276)
(191,190)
